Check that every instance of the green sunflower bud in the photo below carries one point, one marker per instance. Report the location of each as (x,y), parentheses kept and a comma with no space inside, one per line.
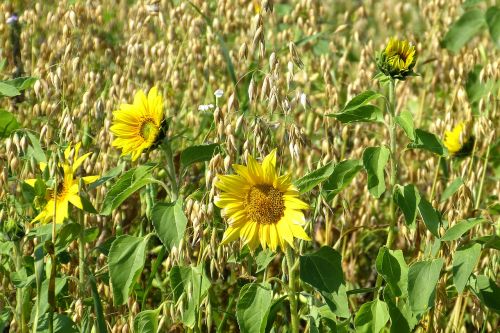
(398,59)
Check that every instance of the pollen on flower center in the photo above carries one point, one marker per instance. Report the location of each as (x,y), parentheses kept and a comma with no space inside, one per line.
(265,204)
(148,129)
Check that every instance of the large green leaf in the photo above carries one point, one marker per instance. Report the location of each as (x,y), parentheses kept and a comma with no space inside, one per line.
(451,189)
(8,90)
(371,317)
(405,121)
(126,261)
(322,269)
(187,278)
(358,109)
(423,277)
(8,123)
(430,216)
(198,153)
(403,320)
(464,261)
(428,141)
(22,83)
(253,307)
(147,321)
(456,231)
(392,266)
(338,302)
(487,291)
(169,222)
(126,185)
(493,21)
(314,178)
(62,324)
(342,175)
(374,161)
(407,198)
(464,29)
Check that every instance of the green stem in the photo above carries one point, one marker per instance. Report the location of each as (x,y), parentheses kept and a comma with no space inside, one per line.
(19,295)
(291,291)
(52,279)
(224,317)
(81,254)
(171,170)
(436,174)
(480,190)
(391,235)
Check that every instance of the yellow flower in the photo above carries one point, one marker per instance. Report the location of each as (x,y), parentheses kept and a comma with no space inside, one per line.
(398,59)
(138,126)
(67,189)
(457,143)
(260,206)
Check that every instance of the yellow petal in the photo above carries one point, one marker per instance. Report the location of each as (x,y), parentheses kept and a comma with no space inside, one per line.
(90,179)
(67,151)
(31,182)
(269,167)
(76,201)
(80,160)
(230,235)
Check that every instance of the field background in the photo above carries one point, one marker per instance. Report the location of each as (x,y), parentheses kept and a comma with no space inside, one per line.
(281,72)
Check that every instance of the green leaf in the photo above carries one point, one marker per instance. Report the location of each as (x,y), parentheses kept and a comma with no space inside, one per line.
(322,269)
(147,321)
(464,261)
(463,30)
(68,233)
(196,154)
(428,141)
(263,259)
(126,261)
(338,302)
(364,113)
(8,90)
(312,179)
(187,278)
(371,317)
(342,175)
(487,291)
(456,231)
(405,120)
(408,199)
(361,99)
(36,149)
(8,123)
(169,222)
(403,320)
(430,216)
(22,83)
(451,189)
(110,174)
(423,277)
(374,161)
(126,185)
(62,324)
(98,310)
(493,21)
(489,242)
(392,266)
(253,307)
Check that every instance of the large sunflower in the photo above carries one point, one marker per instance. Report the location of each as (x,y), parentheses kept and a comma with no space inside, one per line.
(67,190)
(260,206)
(398,59)
(138,126)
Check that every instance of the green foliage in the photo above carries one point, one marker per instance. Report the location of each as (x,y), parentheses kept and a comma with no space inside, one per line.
(392,266)
(374,161)
(451,189)
(147,321)
(430,216)
(371,317)
(169,222)
(126,261)
(8,123)
(464,29)
(126,185)
(322,269)
(487,291)
(408,199)
(195,154)
(456,231)
(342,175)
(314,178)
(493,21)
(422,279)
(358,109)
(253,307)
(464,261)
(405,121)
(428,141)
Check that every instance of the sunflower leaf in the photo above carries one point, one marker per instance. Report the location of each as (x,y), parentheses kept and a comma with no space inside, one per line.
(8,123)
(405,120)
(371,317)
(374,161)
(407,198)
(342,175)
(464,29)
(195,154)
(125,186)
(493,21)
(253,307)
(428,141)
(422,279)
(314,178)
(169,222)
(461,228)
(322,269)
(464,261)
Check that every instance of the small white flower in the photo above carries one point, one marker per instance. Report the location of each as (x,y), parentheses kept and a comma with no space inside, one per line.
(205,107)
(11,19)
(303,100)
(218,93)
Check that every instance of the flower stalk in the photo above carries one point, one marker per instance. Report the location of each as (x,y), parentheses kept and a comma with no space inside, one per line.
(292,297)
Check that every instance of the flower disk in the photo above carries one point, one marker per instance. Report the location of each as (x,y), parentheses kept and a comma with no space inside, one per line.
(138,126)
(260,206)
(398,59)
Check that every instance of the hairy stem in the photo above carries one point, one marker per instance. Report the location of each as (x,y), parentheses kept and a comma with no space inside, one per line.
(291,291)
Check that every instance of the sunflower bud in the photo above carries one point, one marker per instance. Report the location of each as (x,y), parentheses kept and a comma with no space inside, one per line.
(398,59)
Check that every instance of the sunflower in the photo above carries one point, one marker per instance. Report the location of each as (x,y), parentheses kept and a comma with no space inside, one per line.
(398,59)
(455,142)
(139,126)
(67,190)
(260,206)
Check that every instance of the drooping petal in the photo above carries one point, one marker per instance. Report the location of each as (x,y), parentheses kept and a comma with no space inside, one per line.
(76,201)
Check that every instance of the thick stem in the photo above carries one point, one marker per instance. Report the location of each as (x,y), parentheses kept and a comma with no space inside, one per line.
(52,280)
(480,190)
(171,170)
(291,291)
(81,254)
(436,174)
